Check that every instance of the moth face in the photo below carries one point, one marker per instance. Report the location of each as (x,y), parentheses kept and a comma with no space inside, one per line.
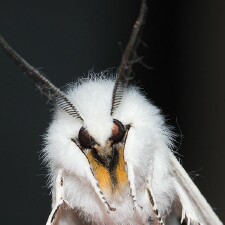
(107,161)
(101,141)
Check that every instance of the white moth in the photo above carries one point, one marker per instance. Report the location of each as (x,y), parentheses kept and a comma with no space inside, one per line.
(109,153)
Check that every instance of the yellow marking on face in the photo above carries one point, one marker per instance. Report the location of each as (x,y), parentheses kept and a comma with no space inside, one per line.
(100,172)
(121,173)
(103,176)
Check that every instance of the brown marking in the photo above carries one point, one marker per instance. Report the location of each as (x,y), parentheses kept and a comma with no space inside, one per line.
(158,217)
(61,182)
(55,213)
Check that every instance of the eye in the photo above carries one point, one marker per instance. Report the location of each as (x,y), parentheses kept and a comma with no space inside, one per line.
(118,131)
(85,138)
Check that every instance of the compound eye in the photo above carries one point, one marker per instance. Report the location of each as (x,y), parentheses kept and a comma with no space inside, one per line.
(85,139)
(118,131)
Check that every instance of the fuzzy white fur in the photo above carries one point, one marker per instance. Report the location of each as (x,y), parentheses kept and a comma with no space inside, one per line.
(147,149)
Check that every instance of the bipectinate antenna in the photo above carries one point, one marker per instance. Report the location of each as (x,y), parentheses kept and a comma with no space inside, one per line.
(46,87)
(125,68)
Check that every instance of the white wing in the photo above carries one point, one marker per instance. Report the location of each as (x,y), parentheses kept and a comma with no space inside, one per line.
(62,213)
(66,216)
(194,206)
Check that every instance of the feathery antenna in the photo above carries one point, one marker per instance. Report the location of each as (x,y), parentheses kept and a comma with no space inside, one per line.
(125,68)
(44,85)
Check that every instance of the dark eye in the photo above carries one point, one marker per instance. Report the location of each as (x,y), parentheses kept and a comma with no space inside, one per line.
(118,131)
(85,139)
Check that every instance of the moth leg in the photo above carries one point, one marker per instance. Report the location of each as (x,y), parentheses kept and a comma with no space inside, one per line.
(131,177)
(98,191)
(59,198)
(153,205)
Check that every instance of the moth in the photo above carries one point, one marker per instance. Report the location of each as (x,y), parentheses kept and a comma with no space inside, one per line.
(109,152)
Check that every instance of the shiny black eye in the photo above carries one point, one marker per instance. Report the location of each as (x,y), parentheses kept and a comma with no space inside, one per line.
(118,131)
(85,139)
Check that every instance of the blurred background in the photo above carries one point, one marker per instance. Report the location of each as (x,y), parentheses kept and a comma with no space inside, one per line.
(65,39)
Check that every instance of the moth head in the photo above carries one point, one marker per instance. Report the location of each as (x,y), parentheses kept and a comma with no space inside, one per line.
(99,132)
(133,128)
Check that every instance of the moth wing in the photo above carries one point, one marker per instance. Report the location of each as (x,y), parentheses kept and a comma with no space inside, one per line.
(62,213)
(67,216)
(195,208)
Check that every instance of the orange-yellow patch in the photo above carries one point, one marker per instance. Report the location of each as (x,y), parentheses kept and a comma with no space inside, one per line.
(121,173)
(103,176)
(100,172)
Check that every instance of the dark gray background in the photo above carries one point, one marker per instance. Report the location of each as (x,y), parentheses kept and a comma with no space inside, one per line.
(186,48)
